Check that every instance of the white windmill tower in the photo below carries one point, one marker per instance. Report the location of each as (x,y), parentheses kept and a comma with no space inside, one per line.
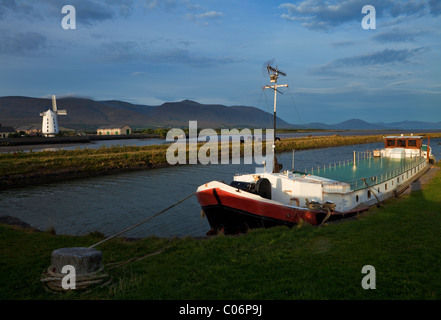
(49,126)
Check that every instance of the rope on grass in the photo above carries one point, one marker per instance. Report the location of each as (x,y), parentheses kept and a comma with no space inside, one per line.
(121,263)
(52,281)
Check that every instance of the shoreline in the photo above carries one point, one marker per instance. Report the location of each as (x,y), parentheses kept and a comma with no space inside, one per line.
(8,145)
(417,185)
(22,169)
(28,180)
(31,141)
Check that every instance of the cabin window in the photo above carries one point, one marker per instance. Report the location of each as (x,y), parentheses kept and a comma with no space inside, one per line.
(412,143)
(356,198)
(401,143)
(369,194)
(385,186)
(398,180)
(390,143)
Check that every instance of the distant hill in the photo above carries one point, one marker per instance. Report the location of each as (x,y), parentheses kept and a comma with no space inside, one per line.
(89,114)
(357,124)
(412,125)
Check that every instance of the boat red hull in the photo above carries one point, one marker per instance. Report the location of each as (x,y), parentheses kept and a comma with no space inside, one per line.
(236,213)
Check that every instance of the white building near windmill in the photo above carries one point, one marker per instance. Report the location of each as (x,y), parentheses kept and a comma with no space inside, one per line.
(49,126)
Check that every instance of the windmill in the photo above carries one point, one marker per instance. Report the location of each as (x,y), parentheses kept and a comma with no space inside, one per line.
(50,122)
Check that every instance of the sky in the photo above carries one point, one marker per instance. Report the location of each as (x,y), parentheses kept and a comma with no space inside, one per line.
(215,52)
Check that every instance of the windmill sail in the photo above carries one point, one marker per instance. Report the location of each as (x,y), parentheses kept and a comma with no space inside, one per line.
(54,104)
(54,108)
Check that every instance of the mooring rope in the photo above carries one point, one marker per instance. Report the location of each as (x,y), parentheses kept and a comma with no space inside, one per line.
(121,263)
(53,280)
(141,222)
(373,192)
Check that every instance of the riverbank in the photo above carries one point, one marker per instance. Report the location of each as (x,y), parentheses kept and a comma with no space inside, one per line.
(20,169)
(11,144)
(400,240)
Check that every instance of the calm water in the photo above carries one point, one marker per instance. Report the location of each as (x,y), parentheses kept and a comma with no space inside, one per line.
(111,203)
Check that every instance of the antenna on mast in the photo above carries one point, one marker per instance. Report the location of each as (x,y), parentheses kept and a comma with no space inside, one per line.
(274,75)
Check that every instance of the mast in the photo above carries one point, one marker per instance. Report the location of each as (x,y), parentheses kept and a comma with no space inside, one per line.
(274,75)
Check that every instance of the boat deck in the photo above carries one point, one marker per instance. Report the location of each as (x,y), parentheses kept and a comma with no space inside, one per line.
(374,170)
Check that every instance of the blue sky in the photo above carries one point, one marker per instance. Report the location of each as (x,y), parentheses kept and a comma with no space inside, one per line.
(213,51)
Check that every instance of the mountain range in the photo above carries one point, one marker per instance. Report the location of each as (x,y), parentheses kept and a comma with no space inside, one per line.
(88,114)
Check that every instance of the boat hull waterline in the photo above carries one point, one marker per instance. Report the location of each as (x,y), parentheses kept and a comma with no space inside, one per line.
(232,213)
(231,210)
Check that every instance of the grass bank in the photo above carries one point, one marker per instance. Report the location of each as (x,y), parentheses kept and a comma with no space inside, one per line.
(400,240)
(24,168)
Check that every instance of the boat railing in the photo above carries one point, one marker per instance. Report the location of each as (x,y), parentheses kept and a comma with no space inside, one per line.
(360,155)
(378,177)
(383,176)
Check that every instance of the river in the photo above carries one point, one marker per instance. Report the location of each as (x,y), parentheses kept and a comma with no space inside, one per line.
(152,141)
(109,204)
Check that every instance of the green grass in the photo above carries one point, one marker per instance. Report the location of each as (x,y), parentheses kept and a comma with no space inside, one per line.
(400,239)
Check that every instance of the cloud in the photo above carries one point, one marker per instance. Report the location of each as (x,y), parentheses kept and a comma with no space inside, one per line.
(386,56)
(435,7)
(397,35)
(210,14)
(5,6)
(88,12)
(120,51)
(169,5)
(382,64)
(12,6)
(151,4)
(21,43)
(193,12)
(125,51)
(203,18)
(138,73)
(338,44)
(325,15)
(187,58)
